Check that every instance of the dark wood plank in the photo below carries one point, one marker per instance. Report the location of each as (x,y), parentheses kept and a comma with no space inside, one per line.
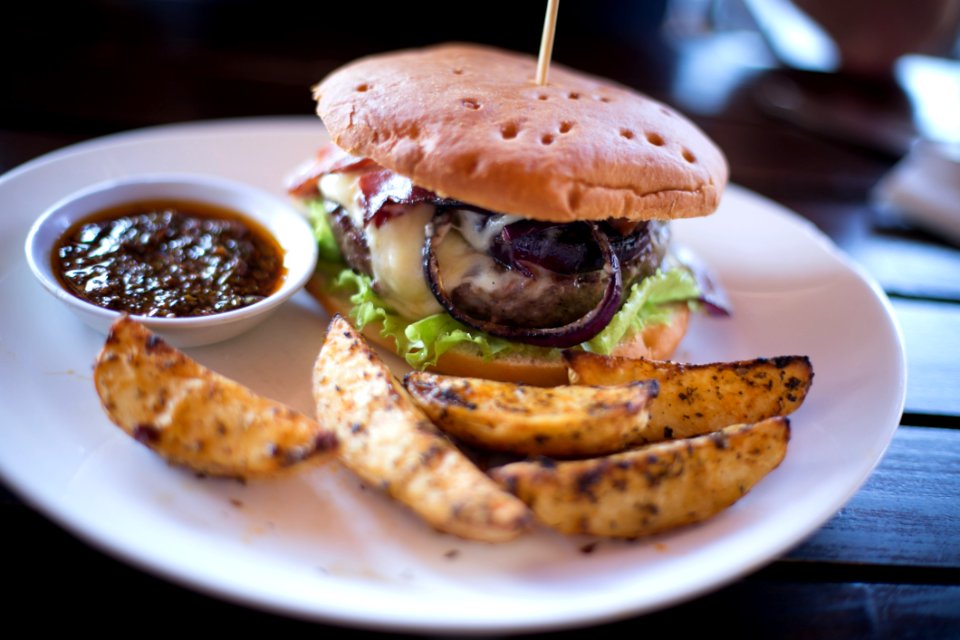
(759,607)
(62,585)
(903,261)
(906,515)
(912,267)
(931,332)
(18,147)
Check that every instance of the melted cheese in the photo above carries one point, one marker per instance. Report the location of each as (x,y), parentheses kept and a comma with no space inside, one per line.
(459,262)
(396,248)
(343,188)
(479,229)
(396,257)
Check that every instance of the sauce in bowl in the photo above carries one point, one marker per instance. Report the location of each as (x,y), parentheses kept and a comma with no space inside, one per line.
(168,259)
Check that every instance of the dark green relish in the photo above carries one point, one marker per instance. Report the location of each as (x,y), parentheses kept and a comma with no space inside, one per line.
(169,259)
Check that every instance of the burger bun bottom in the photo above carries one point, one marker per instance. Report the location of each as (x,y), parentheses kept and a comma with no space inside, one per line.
(657,342)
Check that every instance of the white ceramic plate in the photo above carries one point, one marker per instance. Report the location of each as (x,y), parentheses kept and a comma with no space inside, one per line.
(315,545)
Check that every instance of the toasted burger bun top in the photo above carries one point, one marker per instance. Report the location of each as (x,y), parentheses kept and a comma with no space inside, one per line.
(470,123)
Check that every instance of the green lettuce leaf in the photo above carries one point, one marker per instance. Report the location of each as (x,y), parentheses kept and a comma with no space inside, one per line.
(369,308)
(434,335)
(421,343)
(326,243)
(646,305)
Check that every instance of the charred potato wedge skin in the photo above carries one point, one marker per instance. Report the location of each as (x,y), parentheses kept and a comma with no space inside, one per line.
(652,489)
(567,421)
(695,399)
(194,417)
(389,442)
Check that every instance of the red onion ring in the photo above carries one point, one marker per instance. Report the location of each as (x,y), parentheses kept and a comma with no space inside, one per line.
(551,245)
(568,335)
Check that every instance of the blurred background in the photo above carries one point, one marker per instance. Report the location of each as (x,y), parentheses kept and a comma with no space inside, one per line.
(139,62)
(865,77)
(845,111)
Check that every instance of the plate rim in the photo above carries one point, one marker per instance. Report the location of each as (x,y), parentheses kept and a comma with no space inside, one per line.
(138,136)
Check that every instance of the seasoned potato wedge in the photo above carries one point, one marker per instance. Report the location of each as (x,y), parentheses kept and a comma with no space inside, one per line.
(700,398)
(388,441)
(567,421)
(651,489)
(195,417)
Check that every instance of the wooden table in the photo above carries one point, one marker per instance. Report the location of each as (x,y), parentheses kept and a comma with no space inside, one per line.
(887,565)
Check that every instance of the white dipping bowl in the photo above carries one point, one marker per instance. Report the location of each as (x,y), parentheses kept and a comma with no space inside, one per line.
(279,218)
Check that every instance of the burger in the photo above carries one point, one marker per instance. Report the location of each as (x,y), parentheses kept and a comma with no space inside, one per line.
(477,223)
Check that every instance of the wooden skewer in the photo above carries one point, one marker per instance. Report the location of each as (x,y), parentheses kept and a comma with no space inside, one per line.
(546,42)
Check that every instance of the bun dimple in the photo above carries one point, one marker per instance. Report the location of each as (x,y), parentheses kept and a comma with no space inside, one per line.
(470,123)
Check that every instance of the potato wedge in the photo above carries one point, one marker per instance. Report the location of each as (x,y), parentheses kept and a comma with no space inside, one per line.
(695,399)
(567,421)
(194,417)
(389,442)
(651,489)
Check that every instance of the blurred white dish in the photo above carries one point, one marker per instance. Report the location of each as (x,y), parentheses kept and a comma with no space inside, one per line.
(924,188)
(284,223)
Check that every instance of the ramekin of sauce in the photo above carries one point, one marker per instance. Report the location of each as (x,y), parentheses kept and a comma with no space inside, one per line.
(168,259)
(196,259)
